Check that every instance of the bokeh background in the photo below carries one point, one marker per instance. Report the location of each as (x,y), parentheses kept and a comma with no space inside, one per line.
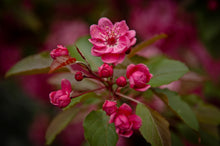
(31,26)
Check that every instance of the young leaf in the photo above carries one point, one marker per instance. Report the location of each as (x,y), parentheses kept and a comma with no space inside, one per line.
(85,48)
(146,43)
(98,131)
(155,129)
(35,64)
(178,106)
(165,71)
(60,62)
(59,123)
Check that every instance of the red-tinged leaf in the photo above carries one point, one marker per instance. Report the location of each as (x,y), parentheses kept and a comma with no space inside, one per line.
(60,62)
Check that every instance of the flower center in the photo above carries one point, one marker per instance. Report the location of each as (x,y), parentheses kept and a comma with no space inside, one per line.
(111,41)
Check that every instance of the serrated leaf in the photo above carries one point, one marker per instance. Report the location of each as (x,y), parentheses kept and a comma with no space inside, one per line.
(146,43)
(35,64)
(98,131)
(85,48)
(59,123)
(155,129)
(178,106)
(165,71)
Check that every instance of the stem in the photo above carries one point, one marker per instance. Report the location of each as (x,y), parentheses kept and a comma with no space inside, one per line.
(80,53)
(88,92)
(127,97)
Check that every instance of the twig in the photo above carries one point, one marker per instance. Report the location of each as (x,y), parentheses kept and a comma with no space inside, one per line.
(127,97)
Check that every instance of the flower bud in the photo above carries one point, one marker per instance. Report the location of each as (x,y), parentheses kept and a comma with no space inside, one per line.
(121,81)
(105,71)
(59,51)
(79,76)
(109,107)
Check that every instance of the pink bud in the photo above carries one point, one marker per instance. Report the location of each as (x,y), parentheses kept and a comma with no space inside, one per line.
(105,71)
(79,76)
(138,76)
(59,51)
(109,107)
(61,98)
(121,81)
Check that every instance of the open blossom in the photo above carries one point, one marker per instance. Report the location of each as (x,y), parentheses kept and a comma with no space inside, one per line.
(109,107)
(125,122)
(111,41)
(138,76)
(105,70)
(59,51)
(61,98)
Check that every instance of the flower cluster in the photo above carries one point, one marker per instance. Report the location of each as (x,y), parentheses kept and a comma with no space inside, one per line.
(111,43)
(125,122)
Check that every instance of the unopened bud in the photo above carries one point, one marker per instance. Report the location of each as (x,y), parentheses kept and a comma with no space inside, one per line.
(105,71)
(79,76)
(121,81)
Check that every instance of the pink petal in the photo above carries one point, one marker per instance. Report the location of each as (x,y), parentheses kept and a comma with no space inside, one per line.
(123,44)
(130,70)
(142,89)
(103,22)
(125,109)
(66,85)
(113,58)
(133,41)
(136,120)
(121,27)
(121,120)
(131,34)
(97,42)
(99,51)
(112,118)
(96,32)
(131,81)
(124,133)
(142,67)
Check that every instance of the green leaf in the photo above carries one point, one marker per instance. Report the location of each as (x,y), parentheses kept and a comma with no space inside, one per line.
(176,141)
(85,48)
(178,106)
(155,129)
(146,43)
(98,131)
(165,71)
(35,64)
(59,123)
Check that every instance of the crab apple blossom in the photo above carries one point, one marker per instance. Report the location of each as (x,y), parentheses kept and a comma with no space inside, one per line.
(59,51)
(111,41)
(121,81)
(61,98)
(125,122)
(109,107)
(138,76)
(105,71)
(79,76)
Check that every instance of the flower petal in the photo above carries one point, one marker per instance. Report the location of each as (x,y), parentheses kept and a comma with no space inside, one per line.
(97,42)
(136,120)
(103,22)
(97,32)
(113,58)
(130,69)
(143,89)
(120,27)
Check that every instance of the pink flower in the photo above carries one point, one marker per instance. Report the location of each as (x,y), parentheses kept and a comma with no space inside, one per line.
(61,98)
(121,81)
(105,70)
(111,41)
(125,122)
(109,107)
(59,51)
(138,76)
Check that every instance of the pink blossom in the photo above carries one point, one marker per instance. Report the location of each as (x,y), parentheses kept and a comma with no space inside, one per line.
(61,98)
(138,76)
(121,81)
(109,107)
(105,70)
(59,51)
(111,41)
(125,122)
